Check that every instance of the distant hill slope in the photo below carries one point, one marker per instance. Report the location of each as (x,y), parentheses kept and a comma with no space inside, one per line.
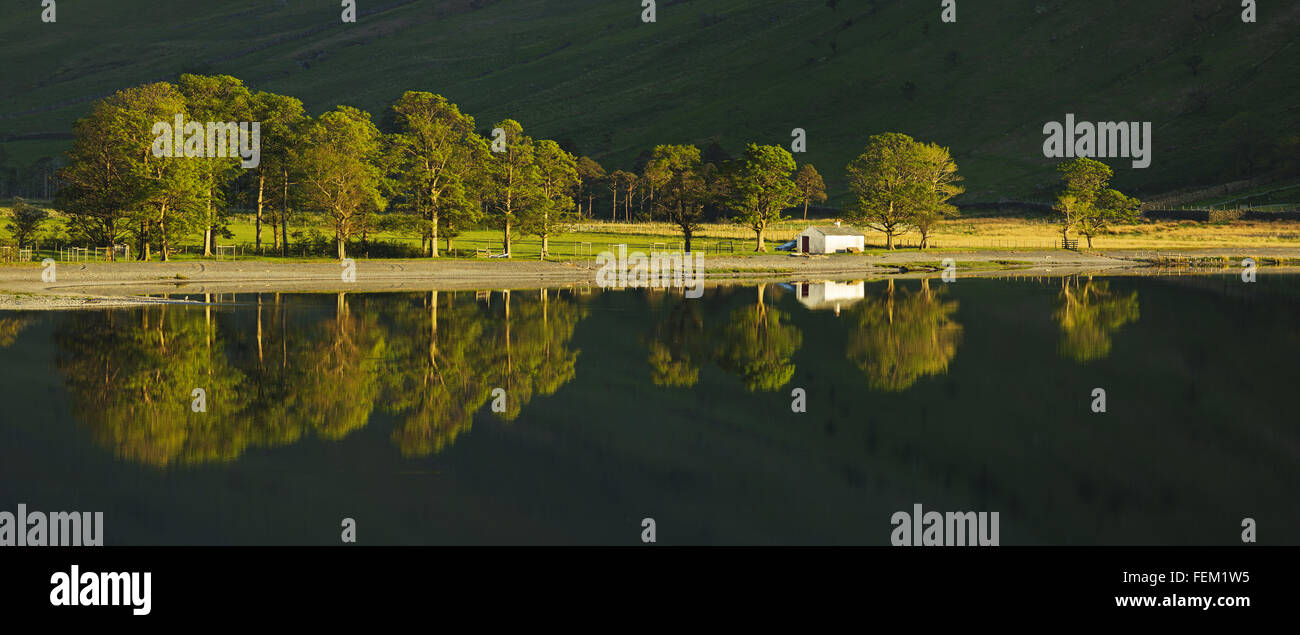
(734,71)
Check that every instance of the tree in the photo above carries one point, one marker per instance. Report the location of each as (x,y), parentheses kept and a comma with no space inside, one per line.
(461,208)
(812,189)
(218,98)
(173,189)
(630,185)
(102,182)
(618,181)
(1071,211)
(676,173)
(341,172)
(1084,178)
(27,220)
(512,180)
(438,154)
(888,183)
(1085,201)
(1111,207)
(281,118)
(590,173)
(939,174)
(762,188)
(556,172)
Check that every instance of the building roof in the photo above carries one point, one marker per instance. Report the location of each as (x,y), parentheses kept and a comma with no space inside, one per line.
(836,231)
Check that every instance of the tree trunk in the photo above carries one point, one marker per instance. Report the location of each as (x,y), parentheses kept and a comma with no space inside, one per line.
(338,238)
(207,230)
(686,238)
(257,240)
(613,215)
(433,239)
(284,218)
(889,240)
(760,246)
(805,209)
(506,236)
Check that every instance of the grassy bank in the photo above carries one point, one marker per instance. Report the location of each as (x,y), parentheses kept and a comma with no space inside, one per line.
(590,238)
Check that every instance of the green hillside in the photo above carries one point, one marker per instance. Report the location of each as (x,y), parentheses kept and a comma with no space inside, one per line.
(590,72)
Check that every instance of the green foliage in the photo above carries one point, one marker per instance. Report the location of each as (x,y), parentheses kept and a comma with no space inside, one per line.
(678,179)
(761,188)
(1086,203)
(342,174)
(26,221)
(556,174)
(812,189)
(900,184)
(439,160)
(216,98)
(512,180)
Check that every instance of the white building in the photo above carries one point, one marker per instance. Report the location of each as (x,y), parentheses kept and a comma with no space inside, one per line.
(830,295)
(828,240)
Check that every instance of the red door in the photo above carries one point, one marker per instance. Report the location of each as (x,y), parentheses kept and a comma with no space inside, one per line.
(805,245)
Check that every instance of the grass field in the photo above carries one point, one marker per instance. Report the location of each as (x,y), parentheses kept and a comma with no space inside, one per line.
(592,237)
(590,72)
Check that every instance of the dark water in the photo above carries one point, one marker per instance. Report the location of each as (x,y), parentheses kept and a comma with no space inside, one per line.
(621,405)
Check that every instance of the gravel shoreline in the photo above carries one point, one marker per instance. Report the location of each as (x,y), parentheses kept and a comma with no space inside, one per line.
(120,284)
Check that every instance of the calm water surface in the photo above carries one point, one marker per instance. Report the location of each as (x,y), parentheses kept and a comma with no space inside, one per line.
(621,405)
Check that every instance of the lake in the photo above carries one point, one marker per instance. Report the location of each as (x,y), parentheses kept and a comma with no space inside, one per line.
(569,415)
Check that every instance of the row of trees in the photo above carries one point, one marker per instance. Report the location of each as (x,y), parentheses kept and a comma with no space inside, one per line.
(431,173)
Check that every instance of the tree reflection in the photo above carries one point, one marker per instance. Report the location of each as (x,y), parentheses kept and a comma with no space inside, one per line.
(528,346)
(133,383)
(10,327)
(1089,313)
(434,371)
(334,374)
(757,344)
(900,337)
(431,361)
(676,346)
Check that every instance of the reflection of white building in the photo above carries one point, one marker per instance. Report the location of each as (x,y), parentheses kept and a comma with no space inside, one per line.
(830,295)
(829,240)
